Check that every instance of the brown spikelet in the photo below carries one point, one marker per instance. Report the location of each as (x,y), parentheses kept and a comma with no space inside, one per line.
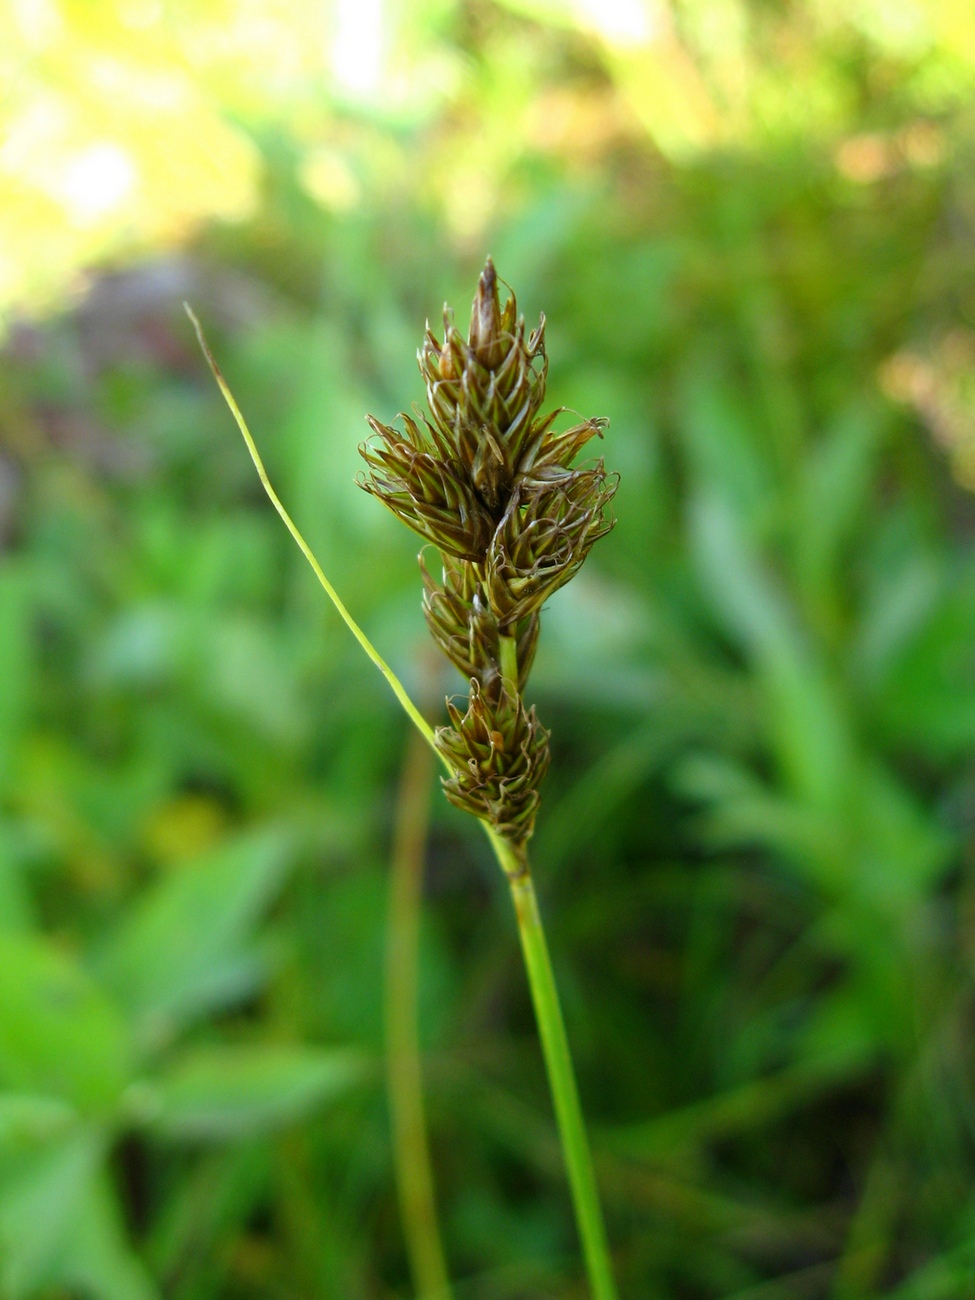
(490,482)
(543,541)
(485,391)
(465,627)
(500,753)
(431,494)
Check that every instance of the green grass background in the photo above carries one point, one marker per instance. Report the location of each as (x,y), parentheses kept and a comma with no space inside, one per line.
(754,851)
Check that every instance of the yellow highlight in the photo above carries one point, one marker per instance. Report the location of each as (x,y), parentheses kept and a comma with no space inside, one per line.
(122,121)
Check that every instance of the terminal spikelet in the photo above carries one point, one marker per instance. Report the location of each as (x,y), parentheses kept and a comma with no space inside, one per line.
(485,392)
(489,481)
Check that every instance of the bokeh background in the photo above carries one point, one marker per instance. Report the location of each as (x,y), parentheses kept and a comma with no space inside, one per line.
(751,224)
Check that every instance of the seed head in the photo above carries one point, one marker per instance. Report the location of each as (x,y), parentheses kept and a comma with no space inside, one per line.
(490,482)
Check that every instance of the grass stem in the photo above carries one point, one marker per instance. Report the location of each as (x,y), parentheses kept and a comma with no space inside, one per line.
(411,1152)
(561,1075)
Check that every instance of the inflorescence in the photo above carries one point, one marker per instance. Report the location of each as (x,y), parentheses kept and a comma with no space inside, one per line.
(488,481)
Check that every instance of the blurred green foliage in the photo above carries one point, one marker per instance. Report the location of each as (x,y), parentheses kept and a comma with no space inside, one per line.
(754,849)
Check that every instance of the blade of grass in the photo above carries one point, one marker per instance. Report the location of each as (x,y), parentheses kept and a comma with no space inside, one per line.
(412,712)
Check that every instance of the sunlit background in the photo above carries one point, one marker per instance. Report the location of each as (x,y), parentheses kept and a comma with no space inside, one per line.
(751,226)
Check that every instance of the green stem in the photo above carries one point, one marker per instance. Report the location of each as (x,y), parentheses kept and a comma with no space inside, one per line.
(411,1152)
(509,663)
(558,1064)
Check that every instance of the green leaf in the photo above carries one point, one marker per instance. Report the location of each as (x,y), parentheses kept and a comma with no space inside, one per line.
(97,1259)
(26,1118)
(59,1033)
(834,495)
(184,949)
(806,724)
(16,911)
(745,811)
(38,1200)
(229,1092)
(925,690)
(721,441)
(841,1029)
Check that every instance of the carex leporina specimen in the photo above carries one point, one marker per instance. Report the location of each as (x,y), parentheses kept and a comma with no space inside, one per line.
(489,482)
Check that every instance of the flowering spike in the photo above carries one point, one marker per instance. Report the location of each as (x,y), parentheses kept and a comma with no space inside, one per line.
(489,481)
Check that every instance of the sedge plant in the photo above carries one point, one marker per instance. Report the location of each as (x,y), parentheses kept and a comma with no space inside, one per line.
(490,483)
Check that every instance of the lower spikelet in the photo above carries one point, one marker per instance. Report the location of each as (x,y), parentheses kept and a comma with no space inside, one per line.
(500,753)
